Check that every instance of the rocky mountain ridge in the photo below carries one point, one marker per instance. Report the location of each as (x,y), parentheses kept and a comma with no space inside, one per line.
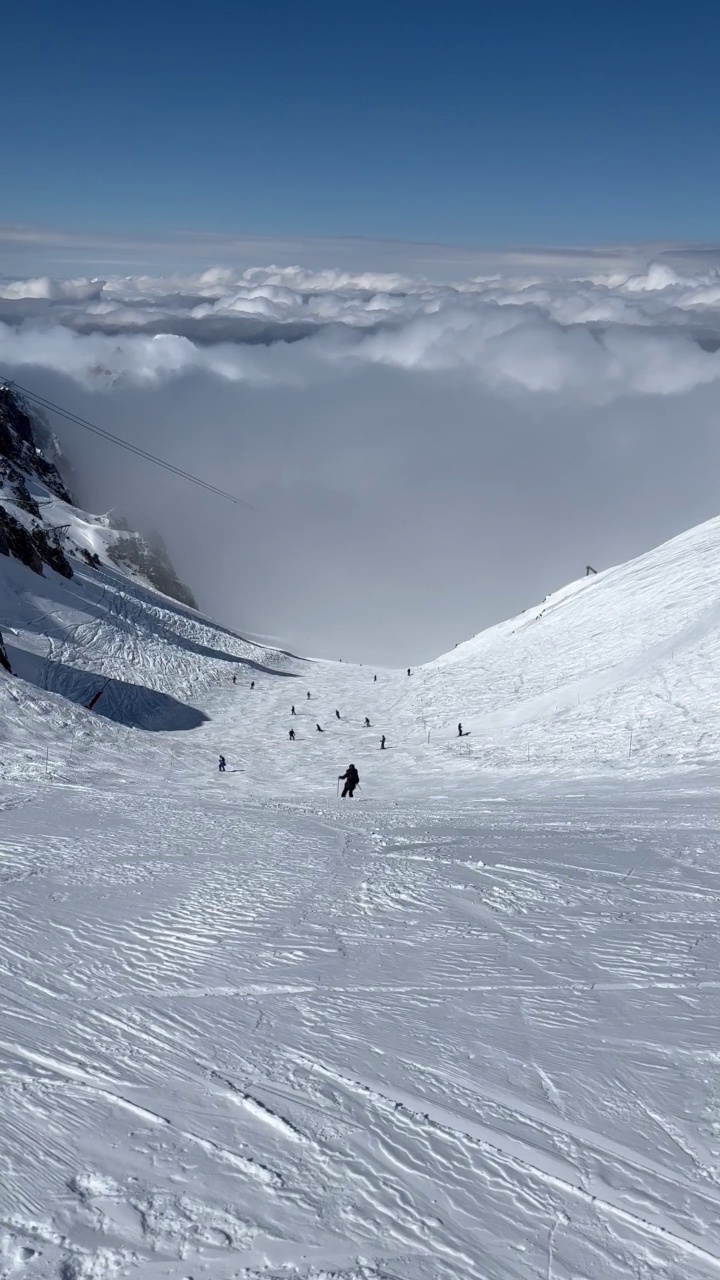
(36,526)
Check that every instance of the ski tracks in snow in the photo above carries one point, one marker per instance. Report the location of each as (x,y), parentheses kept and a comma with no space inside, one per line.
(424,1043)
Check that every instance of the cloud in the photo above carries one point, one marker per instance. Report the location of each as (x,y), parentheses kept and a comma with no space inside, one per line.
(656,332)
(429,448)
(53,290)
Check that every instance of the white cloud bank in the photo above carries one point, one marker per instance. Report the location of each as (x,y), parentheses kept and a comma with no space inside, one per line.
(590,336)
(428,450)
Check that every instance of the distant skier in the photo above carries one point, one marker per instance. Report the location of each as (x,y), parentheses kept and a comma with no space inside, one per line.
(460,731)
(367,722)
(408,671)
(352,780)
(234,679)
(382,743)
(317,726)
(291,735)
(252,684)
(375,679)
(337,715)
(309,695)
(293,711)
(221,765)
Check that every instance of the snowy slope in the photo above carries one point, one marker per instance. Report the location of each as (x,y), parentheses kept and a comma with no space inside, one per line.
(462,1027)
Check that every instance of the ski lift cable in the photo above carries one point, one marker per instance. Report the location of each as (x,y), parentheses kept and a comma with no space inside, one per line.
(75,418)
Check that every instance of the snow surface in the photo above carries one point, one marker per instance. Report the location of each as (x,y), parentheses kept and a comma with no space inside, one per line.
(465,1025)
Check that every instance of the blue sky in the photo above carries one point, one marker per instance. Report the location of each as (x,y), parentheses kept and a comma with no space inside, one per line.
(457,122)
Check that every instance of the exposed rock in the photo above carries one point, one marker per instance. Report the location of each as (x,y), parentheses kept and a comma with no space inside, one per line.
(49,546)
(28,450)
(91,558)
(15,540)
(149,557)
(21,494)
(34,547)
(27,442)
(4,660)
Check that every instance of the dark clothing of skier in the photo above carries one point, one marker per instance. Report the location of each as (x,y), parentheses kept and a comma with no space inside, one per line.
(317,726)
(292,735)
(367,722)
(234,679)
(337,715)
(292,711)
(460,732)
(221,765)
(375,679)
(308,693)
(382,743)
(408,671)
(252,684)
(352,780)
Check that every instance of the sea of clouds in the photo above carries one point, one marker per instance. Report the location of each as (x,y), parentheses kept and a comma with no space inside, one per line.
(590,336)
(425,453)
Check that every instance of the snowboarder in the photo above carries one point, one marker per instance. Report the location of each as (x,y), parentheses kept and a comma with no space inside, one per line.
(292,711)
(460,732)
(352,780)
(292,735)
(317,726)
(382,743)
(337,715)
(367,722)
(221,765)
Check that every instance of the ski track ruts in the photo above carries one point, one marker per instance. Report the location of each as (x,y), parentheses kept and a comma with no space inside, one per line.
(425,1122)
(255,941)
(230,901)
(544,1126)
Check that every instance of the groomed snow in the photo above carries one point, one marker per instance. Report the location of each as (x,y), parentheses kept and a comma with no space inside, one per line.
(465,1025)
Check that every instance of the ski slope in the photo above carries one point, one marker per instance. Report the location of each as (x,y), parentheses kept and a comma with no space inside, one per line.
(463,1026)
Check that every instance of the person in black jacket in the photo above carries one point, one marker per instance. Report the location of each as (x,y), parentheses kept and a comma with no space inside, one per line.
(352,780)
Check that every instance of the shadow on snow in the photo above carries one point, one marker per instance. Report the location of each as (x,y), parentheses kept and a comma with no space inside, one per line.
(132,705)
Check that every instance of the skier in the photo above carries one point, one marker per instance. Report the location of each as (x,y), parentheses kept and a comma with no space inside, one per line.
(308,695)
(352,780)
(460,732)
(234,679)
(292,735)
(221,765)
(337,715)
(252,684)
(367,722)
(375,679)
(408,671)
(317,726)
(382,743)
(292,711)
